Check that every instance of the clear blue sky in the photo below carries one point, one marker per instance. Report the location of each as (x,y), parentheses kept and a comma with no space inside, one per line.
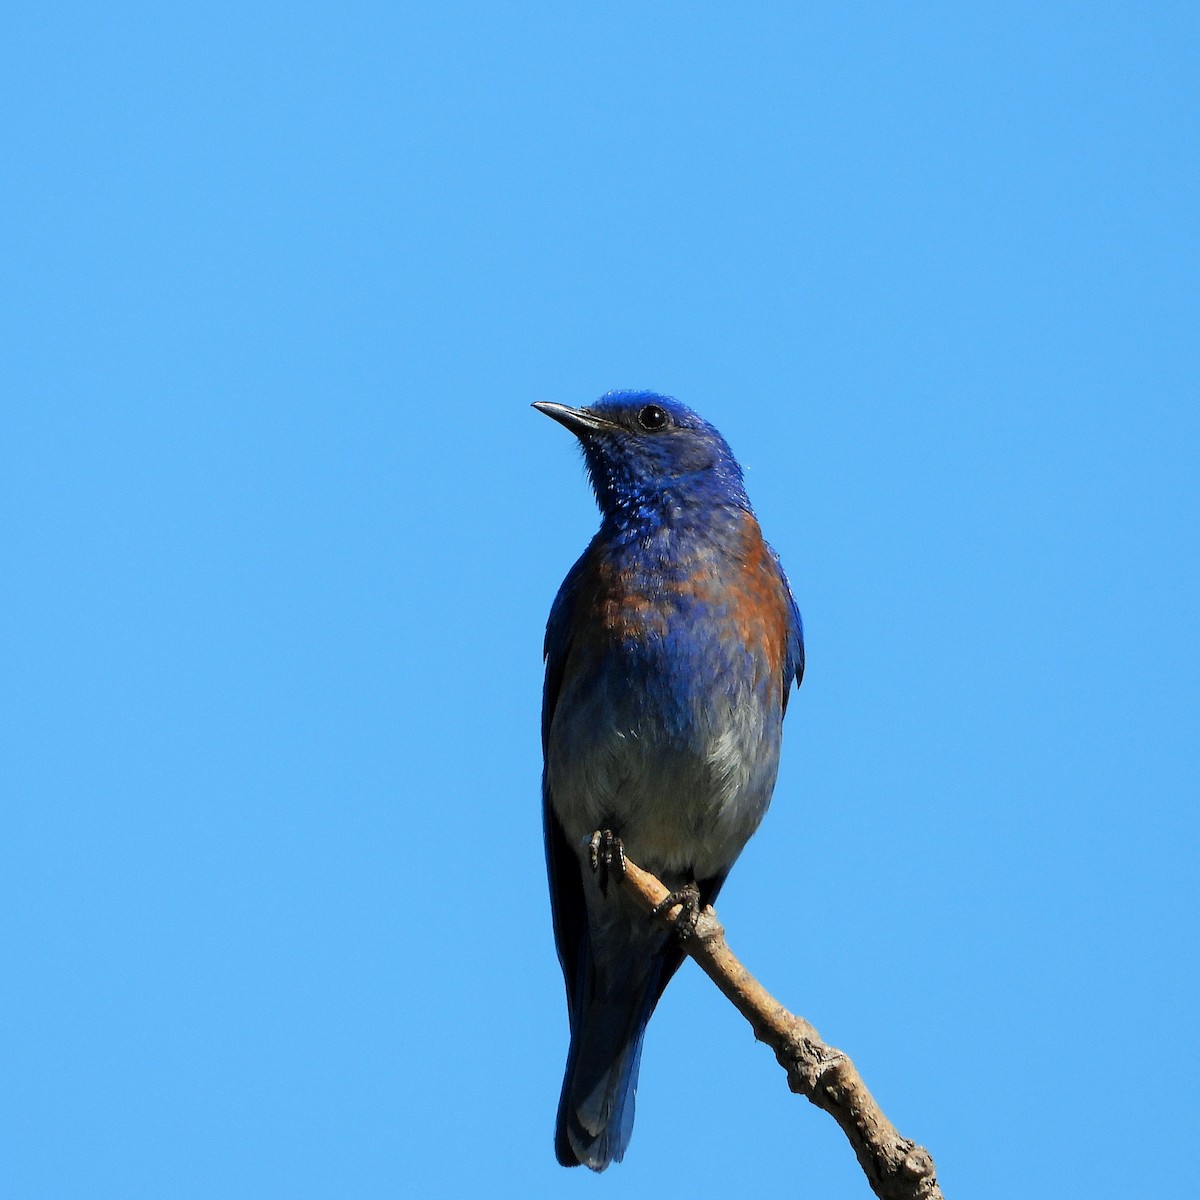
(281,531)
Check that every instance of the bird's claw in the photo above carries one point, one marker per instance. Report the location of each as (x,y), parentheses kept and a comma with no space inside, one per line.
(687,898)
(607,855)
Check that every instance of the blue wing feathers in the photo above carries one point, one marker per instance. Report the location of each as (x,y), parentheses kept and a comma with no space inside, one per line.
(793,663)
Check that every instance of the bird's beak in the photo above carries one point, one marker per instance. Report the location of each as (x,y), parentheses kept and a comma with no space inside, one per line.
(578,420)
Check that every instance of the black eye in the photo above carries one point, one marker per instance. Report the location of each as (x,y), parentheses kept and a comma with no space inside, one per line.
(652,417)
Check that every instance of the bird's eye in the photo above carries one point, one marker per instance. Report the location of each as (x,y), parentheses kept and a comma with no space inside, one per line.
(652,417)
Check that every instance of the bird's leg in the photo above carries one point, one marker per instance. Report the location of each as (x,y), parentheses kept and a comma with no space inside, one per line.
(607,854)
(688,899)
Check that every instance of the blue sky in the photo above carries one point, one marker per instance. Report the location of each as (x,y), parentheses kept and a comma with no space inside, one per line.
(281,533)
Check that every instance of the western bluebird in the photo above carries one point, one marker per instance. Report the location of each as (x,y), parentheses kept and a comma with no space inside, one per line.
(670,652)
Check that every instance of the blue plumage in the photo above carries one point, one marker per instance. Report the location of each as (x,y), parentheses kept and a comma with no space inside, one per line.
(670,652)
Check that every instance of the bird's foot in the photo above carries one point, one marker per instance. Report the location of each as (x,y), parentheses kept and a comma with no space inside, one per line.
(688,900)
(607,855)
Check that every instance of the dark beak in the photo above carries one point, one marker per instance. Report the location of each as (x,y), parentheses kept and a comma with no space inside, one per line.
(578,420)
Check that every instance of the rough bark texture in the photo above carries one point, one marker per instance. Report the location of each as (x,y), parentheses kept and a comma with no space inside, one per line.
(896,1168)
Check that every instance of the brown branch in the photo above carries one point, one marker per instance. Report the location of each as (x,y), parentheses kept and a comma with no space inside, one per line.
(896,1168)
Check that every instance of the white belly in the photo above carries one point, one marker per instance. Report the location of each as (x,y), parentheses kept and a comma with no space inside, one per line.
(681,801)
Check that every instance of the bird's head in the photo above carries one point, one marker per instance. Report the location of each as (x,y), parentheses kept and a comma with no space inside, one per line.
(644,450)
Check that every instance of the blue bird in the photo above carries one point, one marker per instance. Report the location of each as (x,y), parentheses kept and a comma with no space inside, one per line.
(670,652)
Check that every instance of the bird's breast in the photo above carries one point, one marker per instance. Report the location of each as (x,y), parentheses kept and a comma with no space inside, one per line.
(668,722)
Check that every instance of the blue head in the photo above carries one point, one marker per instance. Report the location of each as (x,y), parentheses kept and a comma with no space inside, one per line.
(649,452)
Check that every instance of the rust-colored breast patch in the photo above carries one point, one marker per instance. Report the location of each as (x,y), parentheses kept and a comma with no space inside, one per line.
(758,604)
(618,605)
(740,592)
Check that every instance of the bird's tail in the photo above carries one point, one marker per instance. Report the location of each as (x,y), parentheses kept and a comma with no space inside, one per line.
(595,1112)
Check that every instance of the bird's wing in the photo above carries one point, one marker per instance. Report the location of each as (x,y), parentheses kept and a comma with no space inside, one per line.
(793,660)
(567,904)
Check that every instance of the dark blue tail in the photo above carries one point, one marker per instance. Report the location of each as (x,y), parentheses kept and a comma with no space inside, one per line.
(595,1111)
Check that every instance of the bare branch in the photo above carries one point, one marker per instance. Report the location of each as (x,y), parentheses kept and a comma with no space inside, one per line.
(896,1168)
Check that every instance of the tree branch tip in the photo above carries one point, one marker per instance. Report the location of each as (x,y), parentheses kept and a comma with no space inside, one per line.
(896,1167)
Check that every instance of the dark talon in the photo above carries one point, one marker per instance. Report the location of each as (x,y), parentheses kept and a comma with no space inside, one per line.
(688,899)
(607,854)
